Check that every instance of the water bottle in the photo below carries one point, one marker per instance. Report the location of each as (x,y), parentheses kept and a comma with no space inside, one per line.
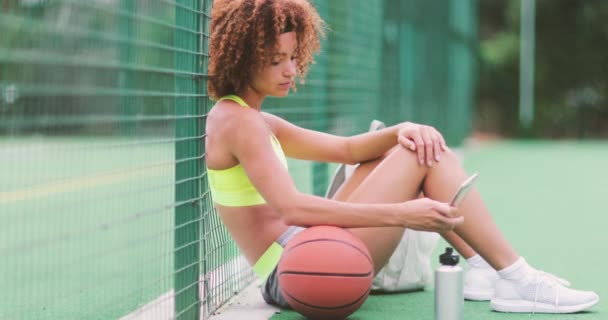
(449,299)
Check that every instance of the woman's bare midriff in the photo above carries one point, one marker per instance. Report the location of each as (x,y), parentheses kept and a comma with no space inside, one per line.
(253,228)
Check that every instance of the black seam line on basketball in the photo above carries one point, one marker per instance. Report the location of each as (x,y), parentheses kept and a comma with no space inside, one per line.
(327,274)
(329,308)
(328,239)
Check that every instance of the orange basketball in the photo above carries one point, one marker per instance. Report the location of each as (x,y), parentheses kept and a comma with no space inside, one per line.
(325,273)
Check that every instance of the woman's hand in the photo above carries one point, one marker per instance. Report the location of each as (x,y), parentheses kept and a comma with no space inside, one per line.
(426,141)
(429,215)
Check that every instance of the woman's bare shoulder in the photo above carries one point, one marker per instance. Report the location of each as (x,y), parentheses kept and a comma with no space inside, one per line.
(226,116)
(224,109)
(227,125)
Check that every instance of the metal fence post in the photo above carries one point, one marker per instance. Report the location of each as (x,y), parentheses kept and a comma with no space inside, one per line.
(320,111)
(188,165)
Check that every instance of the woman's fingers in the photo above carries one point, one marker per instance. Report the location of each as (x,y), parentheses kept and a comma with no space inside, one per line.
(455,222)
(439,139)
(426,141)
(437,145)
(443,223)
(434,144)
(430,215)
(406,143)
(437,150)
(448,216)
(420,147)
(428,146)
(442,143)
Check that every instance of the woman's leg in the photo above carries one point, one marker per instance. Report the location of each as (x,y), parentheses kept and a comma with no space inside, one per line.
(399,177)
(459,244)
(381,242)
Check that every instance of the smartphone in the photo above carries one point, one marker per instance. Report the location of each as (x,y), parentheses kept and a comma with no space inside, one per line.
(463,190)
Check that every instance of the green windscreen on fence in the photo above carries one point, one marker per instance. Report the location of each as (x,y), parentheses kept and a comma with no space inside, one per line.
(99,129)
(391,60)
(103,199)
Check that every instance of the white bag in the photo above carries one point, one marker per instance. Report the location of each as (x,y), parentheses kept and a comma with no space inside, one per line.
(409,268)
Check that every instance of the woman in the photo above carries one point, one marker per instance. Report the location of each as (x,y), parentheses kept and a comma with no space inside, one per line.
(259,48)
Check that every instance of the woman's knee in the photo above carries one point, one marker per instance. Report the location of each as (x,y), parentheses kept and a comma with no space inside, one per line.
(401,155)
(391,150)
(382,157)
(449,157)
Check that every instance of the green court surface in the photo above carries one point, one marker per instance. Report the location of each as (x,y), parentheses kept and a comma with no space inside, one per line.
(549,198)
(81,227)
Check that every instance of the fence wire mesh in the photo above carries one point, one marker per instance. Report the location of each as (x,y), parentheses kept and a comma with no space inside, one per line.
(103,197)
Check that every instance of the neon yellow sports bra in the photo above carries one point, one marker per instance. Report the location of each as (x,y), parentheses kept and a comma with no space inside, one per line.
(231,187)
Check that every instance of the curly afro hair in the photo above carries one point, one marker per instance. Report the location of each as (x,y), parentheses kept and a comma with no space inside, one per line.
(244,34)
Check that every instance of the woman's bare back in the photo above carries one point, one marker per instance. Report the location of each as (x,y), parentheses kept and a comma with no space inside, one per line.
(253,228)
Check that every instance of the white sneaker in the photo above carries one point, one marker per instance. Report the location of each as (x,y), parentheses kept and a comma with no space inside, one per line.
(479,283)
(544,293)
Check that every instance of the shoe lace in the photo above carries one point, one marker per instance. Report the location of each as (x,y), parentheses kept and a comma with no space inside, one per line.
(551,281)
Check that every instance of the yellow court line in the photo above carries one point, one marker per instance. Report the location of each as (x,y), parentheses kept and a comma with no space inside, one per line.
(48,189)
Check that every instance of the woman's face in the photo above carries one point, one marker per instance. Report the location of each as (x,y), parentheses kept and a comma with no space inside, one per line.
(276,78)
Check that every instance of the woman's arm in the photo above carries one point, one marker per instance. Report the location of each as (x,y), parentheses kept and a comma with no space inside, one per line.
(419,214)
(307,144)
(301,143)
(249,142)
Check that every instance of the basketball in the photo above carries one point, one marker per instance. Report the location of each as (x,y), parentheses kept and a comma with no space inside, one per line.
(325,273)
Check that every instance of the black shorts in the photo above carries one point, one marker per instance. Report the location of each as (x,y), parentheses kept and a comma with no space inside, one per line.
(271,292)
(270,288)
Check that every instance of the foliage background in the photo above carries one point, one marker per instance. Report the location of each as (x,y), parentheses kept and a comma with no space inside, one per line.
(571,69)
